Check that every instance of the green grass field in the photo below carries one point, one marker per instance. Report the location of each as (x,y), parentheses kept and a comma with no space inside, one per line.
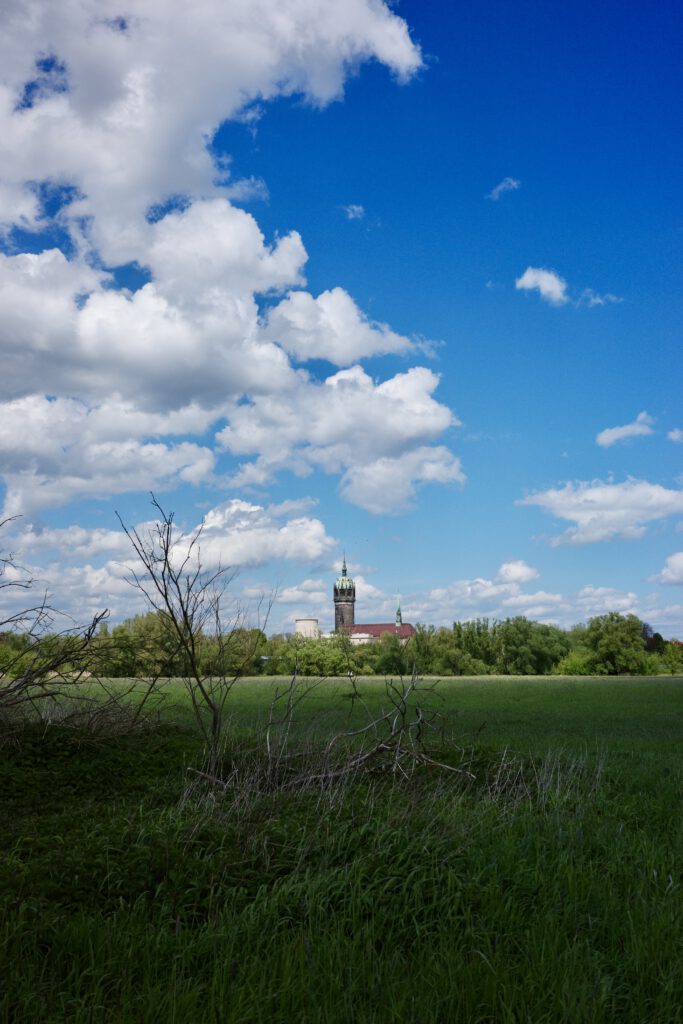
(547,889)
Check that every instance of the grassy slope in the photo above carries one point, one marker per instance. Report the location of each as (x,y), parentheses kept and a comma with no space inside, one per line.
(549,890)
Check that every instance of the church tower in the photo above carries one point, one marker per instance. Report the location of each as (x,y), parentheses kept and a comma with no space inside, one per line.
(344,600)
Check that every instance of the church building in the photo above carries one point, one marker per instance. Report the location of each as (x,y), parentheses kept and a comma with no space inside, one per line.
(368,632)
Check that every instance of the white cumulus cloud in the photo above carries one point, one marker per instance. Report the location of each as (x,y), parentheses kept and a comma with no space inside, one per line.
(547,283)
(115,114)
(239,534)
(517,572)
(641,427)
(387,485)
(329,327)
(672,571)
(553,289)
(606,511)
(481,597)
(87,569)
(352,426)
(591,601)
(127,118)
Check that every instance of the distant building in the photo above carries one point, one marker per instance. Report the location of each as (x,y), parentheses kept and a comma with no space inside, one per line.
(344,600)
(307,628)
(363,633)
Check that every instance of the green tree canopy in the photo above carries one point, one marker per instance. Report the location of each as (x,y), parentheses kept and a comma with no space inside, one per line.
(529,648)
(616,645)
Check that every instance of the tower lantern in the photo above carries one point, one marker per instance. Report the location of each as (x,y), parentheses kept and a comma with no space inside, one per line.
(344,600)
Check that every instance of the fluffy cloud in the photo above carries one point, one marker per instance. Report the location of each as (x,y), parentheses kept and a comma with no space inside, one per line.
(517,572)
(308,592)
(388,485)
(240,534)
(54,451)
(476,598)
(190,334)
(666,618)
(87,570)
(605,511)
(506,185)
(126,110)
(462,596)
(100,471)
(591,601)
(467,599)
(329,327)
(673,569)
(676,435)
(72,542)
(213,254)
(641,427)
(547,283)
(82,591)
(18,205)
(346,413)
(482,597)
(553,288)
(39,319)
(113,116)
(373,434)
(174,357)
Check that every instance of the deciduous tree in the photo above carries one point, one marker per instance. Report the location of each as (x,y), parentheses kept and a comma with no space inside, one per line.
(616,644)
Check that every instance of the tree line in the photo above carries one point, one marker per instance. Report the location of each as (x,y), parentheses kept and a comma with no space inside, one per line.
(146,646)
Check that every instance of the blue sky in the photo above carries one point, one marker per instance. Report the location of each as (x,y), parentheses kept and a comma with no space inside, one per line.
(402,282)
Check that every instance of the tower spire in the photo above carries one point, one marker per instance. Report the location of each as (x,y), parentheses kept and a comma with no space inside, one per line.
(344,599)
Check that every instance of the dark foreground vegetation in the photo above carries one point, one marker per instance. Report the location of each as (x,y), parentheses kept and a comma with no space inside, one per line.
(540,882)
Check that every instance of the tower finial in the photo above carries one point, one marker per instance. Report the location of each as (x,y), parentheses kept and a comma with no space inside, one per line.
(344,565)
(399,617)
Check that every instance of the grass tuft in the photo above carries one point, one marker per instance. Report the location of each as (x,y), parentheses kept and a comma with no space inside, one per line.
(547,888)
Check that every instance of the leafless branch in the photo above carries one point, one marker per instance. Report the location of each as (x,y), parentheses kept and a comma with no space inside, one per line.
(191,601)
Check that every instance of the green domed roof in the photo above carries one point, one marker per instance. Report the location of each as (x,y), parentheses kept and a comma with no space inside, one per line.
(344,582)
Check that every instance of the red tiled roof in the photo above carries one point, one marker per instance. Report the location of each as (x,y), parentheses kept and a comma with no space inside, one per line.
(377,628)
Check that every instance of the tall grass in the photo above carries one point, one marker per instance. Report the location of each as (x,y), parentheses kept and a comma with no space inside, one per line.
(548,888)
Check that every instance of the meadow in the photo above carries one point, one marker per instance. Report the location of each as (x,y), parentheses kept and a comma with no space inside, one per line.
(541,884)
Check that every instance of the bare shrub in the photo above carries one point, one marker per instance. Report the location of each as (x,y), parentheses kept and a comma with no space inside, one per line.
(49,671)
(207,640)
(393,745)
(40,665)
